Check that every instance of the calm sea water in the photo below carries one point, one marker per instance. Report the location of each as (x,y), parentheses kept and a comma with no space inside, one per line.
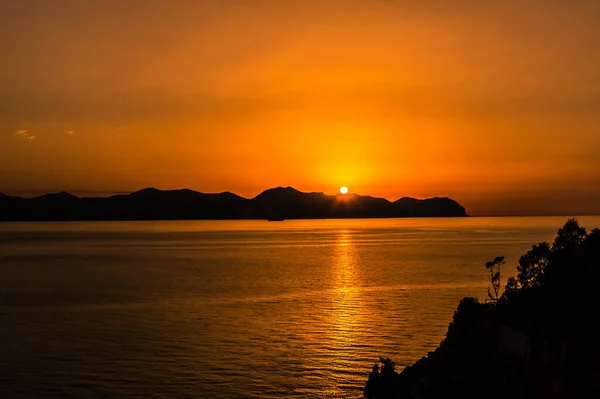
(236,309)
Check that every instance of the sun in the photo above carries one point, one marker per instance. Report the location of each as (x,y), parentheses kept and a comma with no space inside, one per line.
(344,190)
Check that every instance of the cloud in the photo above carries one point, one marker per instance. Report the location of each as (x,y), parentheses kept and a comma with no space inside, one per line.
(25,134)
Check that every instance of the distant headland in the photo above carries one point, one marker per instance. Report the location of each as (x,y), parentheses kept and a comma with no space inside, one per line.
(275,204)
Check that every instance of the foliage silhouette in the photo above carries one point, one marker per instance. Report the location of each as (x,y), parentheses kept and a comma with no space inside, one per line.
(532,265)
(381,383)
(537,339)
(372,385)
(494,267)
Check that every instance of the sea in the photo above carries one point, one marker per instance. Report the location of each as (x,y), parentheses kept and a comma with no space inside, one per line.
(237,309)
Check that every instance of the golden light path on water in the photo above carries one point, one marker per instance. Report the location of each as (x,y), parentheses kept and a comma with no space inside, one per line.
(347,294)
(348,316)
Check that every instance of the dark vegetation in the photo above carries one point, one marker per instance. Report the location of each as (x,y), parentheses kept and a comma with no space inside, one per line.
(538,339)
(275,203)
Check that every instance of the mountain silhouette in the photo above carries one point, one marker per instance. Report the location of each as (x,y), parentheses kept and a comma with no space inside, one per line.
(63,196)
(431,207)
(274,203)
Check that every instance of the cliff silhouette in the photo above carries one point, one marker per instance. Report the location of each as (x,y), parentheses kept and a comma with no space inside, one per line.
(279,203)
(537,339)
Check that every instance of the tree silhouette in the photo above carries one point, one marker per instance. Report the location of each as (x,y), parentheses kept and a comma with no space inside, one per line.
(382,381)
(569,236)
(494,268)
(532,265)
(512,283)
(388,367)
(372,385)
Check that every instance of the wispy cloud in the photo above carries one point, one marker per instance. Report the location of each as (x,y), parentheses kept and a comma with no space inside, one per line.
(25,134)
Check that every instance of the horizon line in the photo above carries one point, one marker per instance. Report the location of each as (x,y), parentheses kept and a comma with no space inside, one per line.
(110,193)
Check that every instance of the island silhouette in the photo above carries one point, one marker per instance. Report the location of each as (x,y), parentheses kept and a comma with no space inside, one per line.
(279,203)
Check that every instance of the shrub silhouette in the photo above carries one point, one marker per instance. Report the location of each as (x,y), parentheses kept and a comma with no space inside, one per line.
(382,381)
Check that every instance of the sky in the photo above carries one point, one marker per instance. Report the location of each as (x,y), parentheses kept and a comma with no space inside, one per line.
(495,104)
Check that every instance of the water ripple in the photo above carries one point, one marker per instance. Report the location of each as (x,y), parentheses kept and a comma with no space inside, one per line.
(111,310)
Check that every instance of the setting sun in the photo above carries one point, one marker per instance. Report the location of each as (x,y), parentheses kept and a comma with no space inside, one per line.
(344,190)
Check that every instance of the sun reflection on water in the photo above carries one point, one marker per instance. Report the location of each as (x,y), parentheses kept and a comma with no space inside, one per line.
(347,308)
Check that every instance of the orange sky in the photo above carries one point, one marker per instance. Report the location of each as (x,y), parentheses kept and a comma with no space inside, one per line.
(493,103)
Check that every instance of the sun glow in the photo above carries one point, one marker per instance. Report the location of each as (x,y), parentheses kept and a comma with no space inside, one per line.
(344,190)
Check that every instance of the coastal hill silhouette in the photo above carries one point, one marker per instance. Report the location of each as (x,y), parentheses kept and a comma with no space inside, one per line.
(537,339)
(274,203)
